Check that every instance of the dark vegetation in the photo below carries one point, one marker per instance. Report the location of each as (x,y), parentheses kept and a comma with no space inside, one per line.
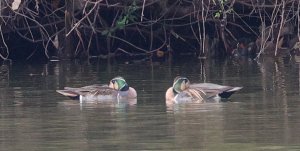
(55,29)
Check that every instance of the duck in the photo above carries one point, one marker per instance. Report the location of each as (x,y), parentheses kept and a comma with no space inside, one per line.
(183,91)
(115,90)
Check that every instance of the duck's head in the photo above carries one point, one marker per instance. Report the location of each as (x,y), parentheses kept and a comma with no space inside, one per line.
(180,84)
(118,83)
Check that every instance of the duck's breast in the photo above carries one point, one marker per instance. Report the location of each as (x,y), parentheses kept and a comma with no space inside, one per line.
(184,97)
(130,94)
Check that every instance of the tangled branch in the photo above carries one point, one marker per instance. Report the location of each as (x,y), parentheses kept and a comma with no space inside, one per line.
(145,27)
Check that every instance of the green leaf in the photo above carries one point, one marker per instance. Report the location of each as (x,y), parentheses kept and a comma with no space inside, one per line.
(217,15)
(132,18)
(121,23)
(104,32)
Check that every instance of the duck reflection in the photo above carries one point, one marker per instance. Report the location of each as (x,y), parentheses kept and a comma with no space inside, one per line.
(113,104)
(4,75)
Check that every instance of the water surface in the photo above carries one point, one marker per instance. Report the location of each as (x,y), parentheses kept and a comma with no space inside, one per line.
(264,115)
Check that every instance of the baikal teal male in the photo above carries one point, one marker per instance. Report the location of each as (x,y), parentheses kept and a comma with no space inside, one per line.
(116,90)
(183,91)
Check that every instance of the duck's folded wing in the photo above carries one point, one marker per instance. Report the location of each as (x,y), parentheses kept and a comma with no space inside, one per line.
(74,93)
(88,88)
(68,93)
(234,89)
(197,93)
(212,89)
(104,91)
(209,86)
(191,95)
(95,86)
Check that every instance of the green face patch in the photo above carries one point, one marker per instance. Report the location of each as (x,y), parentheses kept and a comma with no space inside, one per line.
(120,84)
(180,84)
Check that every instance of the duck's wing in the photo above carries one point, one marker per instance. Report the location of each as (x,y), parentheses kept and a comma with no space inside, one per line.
(190,95)
(209,86)
(95,86)
(88,88)
(103,91)
(69,93)
(196,93)
(215,89)
(92,90)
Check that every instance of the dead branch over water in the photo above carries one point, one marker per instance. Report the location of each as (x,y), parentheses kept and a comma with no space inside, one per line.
(207,28)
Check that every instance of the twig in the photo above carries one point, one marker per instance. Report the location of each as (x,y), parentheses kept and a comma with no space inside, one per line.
(143,8)
(6,47)
(281,25)
(83,18)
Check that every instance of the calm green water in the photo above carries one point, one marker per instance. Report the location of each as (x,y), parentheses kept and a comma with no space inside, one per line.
(263,116)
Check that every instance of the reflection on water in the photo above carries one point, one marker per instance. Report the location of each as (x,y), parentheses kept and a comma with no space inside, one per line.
(262,116)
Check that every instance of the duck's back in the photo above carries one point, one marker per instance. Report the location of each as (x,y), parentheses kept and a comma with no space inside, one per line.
(93,92)
(212,89)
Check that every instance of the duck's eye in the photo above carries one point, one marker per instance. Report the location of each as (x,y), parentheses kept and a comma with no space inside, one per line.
(113,81)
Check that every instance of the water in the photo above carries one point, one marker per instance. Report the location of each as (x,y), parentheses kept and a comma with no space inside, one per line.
(264,115)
